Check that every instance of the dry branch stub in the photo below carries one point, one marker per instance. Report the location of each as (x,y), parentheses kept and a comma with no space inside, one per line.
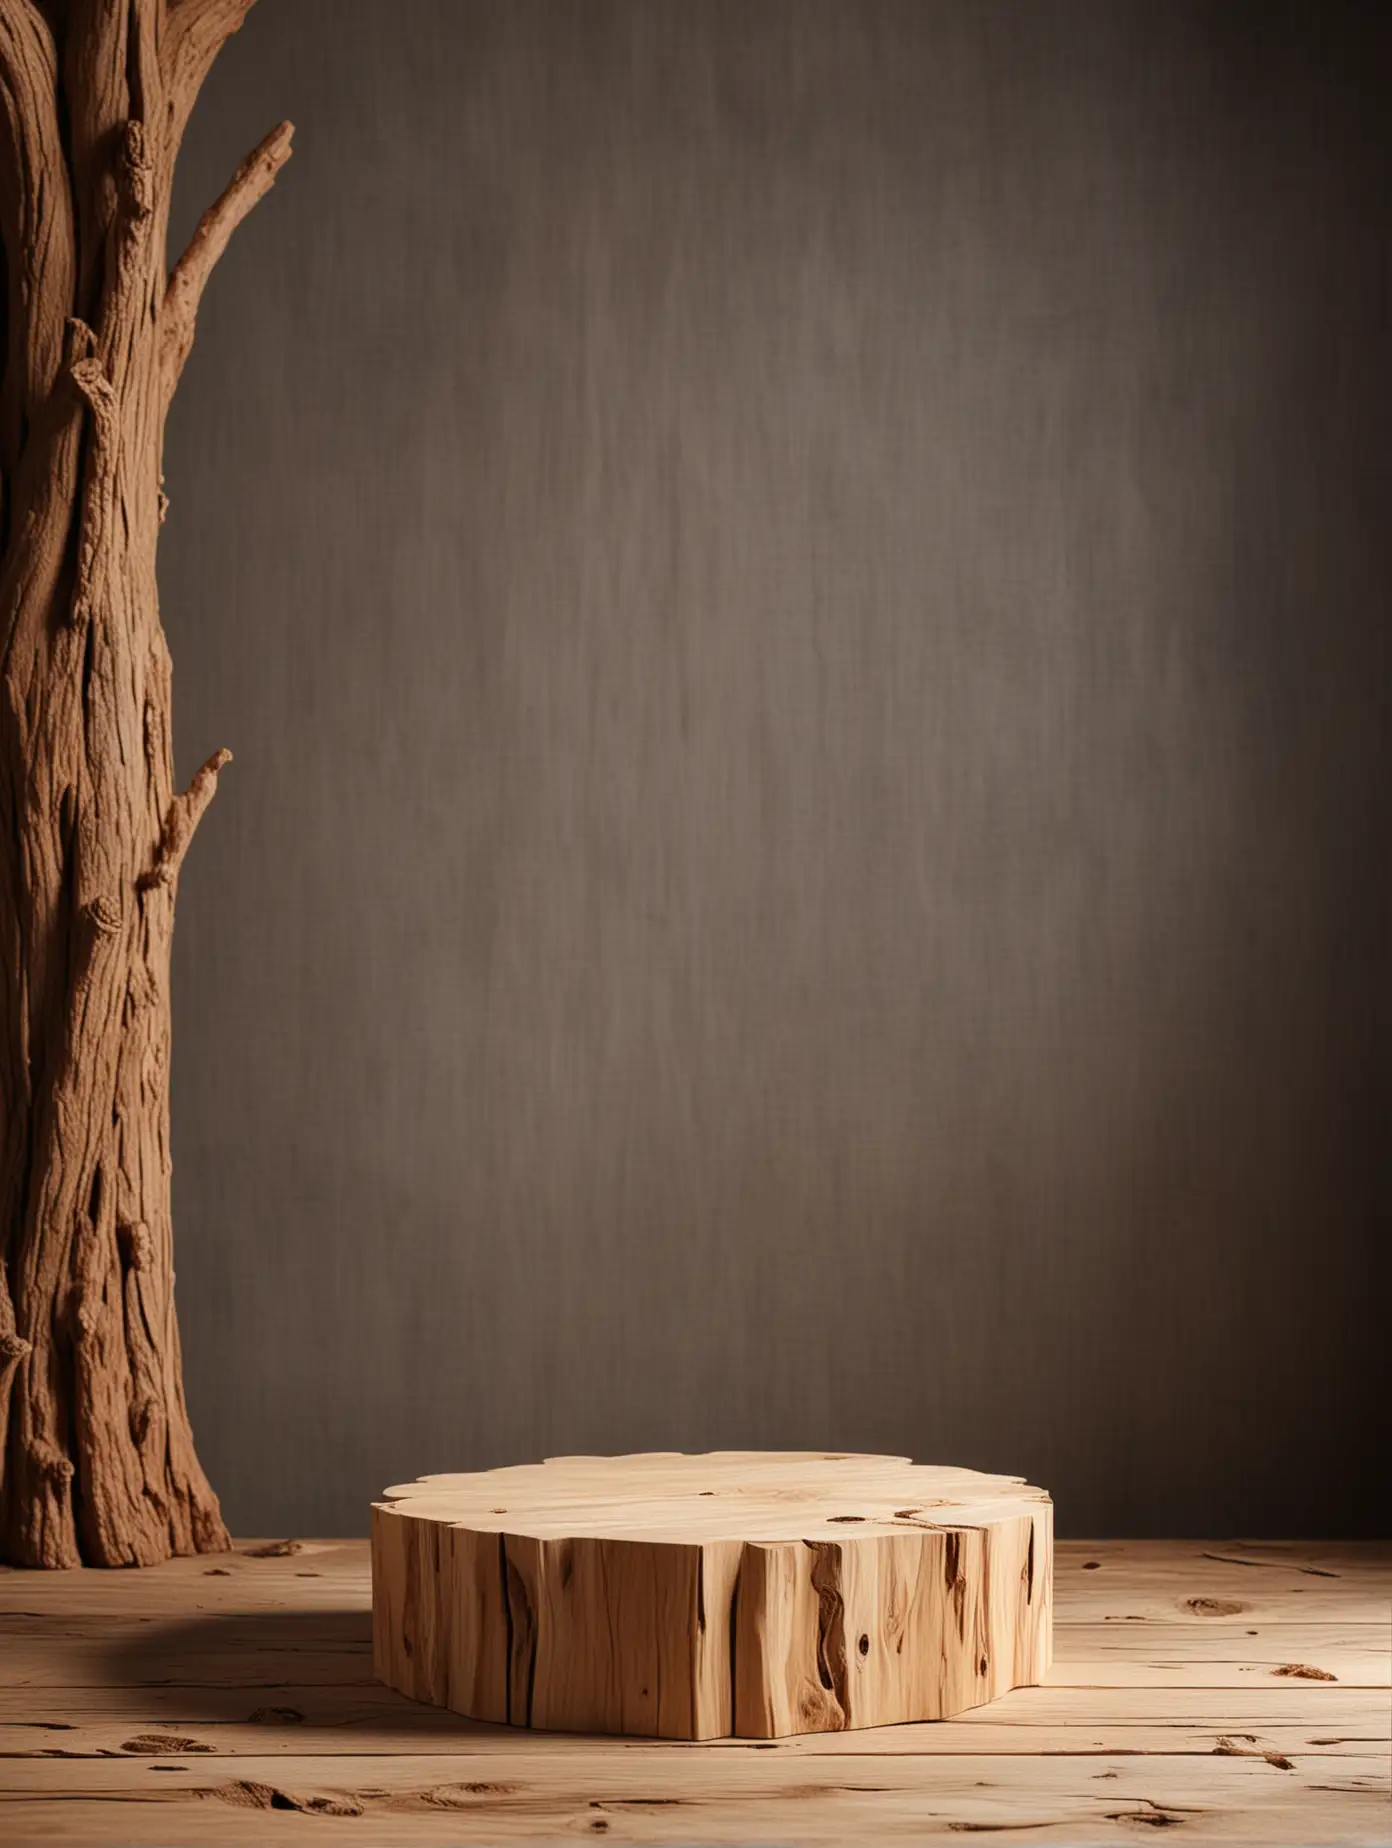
(696,1597)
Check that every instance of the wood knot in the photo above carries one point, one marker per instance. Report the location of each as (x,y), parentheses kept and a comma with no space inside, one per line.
(89,376)
(105,915)
(50,1461)
(154,722)
(13,1348)
(137,174)
(137,1245)
(157,1744)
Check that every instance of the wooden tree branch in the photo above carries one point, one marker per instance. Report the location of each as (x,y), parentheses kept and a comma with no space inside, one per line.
(250,183)
(185,813)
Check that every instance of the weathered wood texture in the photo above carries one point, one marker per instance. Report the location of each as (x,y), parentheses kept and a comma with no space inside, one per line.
(234,1702)
(689,1597)
(96,1456)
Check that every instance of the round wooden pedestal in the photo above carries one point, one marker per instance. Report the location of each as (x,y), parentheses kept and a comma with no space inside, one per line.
(691,1597)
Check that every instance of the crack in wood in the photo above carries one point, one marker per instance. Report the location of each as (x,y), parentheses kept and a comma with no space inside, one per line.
(831,1624)
(1274,1565)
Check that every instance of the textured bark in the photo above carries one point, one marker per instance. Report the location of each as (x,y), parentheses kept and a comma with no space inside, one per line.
(97,1462)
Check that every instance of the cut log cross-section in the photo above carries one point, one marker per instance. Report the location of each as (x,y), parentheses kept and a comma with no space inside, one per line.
(695,1597)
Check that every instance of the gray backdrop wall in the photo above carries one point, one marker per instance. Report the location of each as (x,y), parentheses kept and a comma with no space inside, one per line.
(800,593)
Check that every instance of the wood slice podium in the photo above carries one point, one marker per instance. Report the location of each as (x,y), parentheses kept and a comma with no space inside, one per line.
(695,1597)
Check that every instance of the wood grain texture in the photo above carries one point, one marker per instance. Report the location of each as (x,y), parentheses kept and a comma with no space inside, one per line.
(97,1461)
(234,1702)
(725,1799)
(687,1597)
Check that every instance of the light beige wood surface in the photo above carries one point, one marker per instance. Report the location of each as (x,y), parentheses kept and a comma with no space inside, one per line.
(233,1701)
(690,1597)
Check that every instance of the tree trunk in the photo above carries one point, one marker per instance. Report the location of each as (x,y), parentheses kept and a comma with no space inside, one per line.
(97,1462)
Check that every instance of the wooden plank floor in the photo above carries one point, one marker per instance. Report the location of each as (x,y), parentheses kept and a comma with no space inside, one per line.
(1226,1692)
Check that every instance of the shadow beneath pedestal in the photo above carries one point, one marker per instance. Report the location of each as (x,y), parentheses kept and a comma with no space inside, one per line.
(267,1668)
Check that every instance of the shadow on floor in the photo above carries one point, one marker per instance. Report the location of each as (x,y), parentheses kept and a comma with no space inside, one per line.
(273,1668)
